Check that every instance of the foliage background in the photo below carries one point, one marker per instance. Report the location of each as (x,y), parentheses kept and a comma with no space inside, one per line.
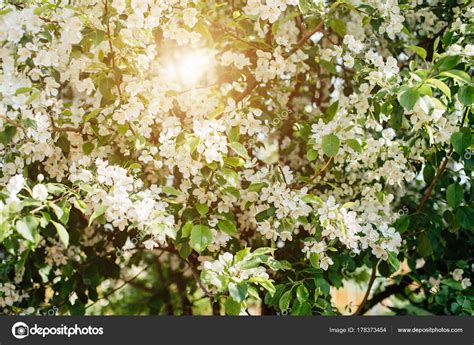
(202,157)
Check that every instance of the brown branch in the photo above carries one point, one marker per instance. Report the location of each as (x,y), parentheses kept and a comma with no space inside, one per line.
(360,309)
(11,122)
(428,191)
(112,52)
(305,37)
(389,291)
(53,125)
(440,171)
(118,288)
(324,167)
(196,275)
(63,129)
(192,264)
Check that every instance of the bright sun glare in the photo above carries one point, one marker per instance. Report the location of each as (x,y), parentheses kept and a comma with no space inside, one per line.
(189,68)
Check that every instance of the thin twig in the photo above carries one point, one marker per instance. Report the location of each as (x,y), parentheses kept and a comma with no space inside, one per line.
(118,288)
(440,171)
(195,273)
(193,268)
(63,129)
(111,47)
(305,37)
(11,122)
(324,167)
(369,288)
(53,125)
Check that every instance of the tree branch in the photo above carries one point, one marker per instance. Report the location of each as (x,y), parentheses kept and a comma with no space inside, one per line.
(389,291)
(117,288)
(63,129)
(360,309)
(53,125)
(11,122)
(304,38)
(111,47)
(440,171)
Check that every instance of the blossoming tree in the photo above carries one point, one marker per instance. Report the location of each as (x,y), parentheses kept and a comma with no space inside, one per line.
(191,156)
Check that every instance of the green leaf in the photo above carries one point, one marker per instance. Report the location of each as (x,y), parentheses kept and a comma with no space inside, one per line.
(239,149)
(201,237)
(461,141)
(78,308)
(238,292)
(466,95)
(354,144)
(186,229)
(227,226)
(88,147)
(424,245)
(314,260)
(421,52)
(447,63)
(458,75)
(331,145)
(408,97)
(465,216)
(323,285)
(171,191)
(134,166)
(328,66)
(7,135)
(23,90)
(311,199)
(284,301)
(202,209)
(312,155)
(402,224)
(97,213)
(232,307)
(440,85)
(106,86)
(93,114)
(267,285)
(184,250)
(302,293)
(429,173)
(338,26)
(234,162)
(256,186)
(454,195)
(192,143)
(393,260)
(62,232)
(331,111)
(28,228)
(80,205)
(58,211)
(455,285)
(234,134)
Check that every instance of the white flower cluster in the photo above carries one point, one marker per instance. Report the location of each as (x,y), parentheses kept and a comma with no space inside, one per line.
(268,9)
(458,276)
(239,60)
(9,295)
(124,200)
(218,273)
(269,66)
(339,224)
(390,12)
